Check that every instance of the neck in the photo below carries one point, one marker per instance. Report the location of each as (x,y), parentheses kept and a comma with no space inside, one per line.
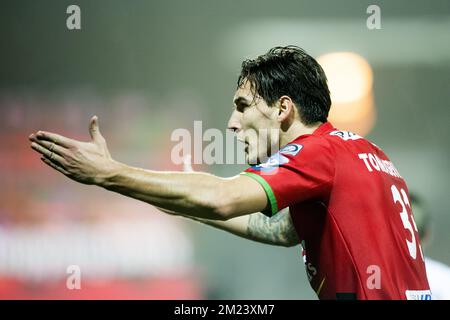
(296,129)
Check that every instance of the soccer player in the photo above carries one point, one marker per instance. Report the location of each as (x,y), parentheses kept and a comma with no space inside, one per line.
(347,202)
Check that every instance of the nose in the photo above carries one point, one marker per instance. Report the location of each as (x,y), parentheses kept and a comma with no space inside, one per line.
(234,123)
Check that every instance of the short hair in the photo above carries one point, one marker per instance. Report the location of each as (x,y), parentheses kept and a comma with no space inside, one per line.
(290,71)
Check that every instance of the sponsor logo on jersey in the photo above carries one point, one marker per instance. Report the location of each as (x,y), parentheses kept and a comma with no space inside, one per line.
(291,149)
(418,294)
(345,135)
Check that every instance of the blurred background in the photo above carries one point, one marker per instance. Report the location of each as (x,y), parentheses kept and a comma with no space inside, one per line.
(147,68)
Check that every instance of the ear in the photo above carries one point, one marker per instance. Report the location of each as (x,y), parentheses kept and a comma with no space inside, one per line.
(285,109)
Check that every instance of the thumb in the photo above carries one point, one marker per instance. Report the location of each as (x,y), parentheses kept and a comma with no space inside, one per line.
(187,165)
(94,130)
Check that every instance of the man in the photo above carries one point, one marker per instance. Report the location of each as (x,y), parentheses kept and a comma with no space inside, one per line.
(347,203)
(437,272)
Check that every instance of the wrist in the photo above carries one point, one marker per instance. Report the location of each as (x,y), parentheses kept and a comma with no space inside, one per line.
(109,173)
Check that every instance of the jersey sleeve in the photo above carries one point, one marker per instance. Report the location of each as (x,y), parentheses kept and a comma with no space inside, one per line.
(298,172)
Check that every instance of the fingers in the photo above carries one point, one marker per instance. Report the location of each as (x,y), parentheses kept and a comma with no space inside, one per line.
(94,130)
(47,153)
(187,165)
(53,137)
(51,146)
(54,166)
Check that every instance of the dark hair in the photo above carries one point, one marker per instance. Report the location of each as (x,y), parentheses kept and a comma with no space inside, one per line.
(290,71)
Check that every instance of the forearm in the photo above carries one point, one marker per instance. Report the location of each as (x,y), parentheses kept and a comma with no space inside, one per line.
(195,194)
(277,230)
(236,226)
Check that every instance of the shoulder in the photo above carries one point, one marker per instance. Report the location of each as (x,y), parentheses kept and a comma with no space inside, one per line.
(345,141)
(307,153)
(311,144)
(311,152)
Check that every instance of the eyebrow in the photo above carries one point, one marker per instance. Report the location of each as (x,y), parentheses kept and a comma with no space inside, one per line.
(241,100)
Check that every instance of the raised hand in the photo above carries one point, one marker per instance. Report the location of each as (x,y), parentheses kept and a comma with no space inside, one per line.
(85,162)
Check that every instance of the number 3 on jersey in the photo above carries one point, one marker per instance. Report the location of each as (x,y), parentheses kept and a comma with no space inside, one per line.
(402,198)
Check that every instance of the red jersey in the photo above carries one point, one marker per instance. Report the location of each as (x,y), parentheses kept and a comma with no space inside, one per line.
(351,211)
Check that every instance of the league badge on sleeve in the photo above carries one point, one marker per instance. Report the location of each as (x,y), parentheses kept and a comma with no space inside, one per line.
(278,159)
(291,149)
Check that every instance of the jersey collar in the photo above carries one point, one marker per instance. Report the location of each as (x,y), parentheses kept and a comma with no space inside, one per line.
(323,128)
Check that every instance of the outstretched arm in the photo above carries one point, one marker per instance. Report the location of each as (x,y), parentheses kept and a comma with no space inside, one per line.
(194,194)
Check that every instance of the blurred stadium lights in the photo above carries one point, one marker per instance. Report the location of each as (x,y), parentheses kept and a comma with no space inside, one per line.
(112,249)
(350,80)
(118,259)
